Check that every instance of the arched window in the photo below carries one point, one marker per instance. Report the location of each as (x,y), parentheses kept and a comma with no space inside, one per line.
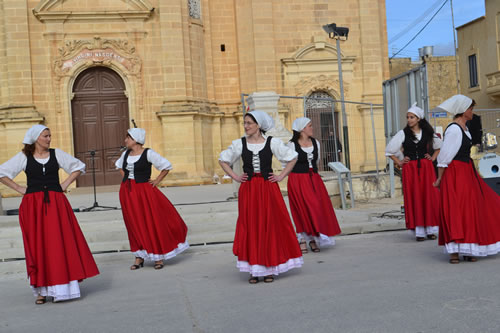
(320,108)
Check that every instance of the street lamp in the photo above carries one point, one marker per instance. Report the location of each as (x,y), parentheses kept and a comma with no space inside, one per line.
(340,33)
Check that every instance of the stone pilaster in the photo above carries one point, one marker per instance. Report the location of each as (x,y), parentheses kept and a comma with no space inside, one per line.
(191,140)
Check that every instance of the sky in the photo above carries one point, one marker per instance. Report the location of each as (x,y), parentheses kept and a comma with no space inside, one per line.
(406,17)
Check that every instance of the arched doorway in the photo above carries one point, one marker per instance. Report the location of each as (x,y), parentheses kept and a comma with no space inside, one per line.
(100,121)
(326,127)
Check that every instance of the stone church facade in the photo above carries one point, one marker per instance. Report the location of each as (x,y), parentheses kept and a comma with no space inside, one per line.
(177,68)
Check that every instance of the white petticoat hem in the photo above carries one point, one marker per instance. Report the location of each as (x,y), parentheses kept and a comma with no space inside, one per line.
(259,270)
(321,241)
(471,249)
(425,231)
(156,257)
(60,292)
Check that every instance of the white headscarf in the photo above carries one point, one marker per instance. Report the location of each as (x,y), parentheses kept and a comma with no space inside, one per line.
(138,134)
(416,111)
(456,104)
(33,133)
(264,120)
(299,123)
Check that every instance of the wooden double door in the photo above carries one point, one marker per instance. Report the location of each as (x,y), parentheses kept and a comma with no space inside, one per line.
(100,122)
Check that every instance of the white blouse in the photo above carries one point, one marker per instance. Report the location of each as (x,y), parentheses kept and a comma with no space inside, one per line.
(159,162)
(308,150)
(451,145)
(395,146)
(16,164)
(283,153)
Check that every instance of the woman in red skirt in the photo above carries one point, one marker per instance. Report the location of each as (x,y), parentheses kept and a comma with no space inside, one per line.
(470,209)
(57,255)
(156,231)
(312,210)
(414,149)
(264,242)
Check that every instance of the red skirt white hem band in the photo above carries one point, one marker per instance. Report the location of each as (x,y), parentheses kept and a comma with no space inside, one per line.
(264,242)
(321,240)
(155,229)
(156,257)
(60,292)
(421,198)
(312,209)
(474,250)
(259,270)
(469,212)
(57,254)
(425,231)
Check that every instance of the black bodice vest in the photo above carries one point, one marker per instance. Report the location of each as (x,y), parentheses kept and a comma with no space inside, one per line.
(43,177)
(302,165)
(416,151)
(265,157)
(142,168)
(464,151)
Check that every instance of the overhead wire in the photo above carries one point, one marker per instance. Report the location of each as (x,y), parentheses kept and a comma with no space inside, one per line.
(415,22)
(418,33)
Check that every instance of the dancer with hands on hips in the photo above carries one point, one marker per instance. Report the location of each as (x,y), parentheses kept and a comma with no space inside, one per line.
(57,254)
(420,147)
(312,210)
(155,229)
(264,242)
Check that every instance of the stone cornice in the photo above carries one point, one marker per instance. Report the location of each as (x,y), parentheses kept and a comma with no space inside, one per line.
(42,12)
(189,107)
(19,113)
(294,61)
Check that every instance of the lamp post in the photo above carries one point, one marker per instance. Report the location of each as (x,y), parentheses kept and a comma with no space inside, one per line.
(338,33)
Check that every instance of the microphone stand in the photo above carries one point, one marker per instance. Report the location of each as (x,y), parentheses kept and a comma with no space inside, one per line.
(96,204)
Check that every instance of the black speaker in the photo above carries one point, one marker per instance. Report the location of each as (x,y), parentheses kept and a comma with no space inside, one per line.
(494,183)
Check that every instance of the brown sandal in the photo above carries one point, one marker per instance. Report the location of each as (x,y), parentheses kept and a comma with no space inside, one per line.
(268,278)
(431,237)
(253,280)
(420,239)
(41,300)
(137,266)
(158,265)
(314,246)
(470,259)
(303,247)
(454,258)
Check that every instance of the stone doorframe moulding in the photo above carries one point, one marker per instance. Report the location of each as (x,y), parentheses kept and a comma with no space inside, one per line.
(144,10)
(329,84)
(116,54)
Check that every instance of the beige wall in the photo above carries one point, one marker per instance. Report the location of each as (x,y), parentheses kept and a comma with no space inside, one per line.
(181,87)
(399,66)
(482,37)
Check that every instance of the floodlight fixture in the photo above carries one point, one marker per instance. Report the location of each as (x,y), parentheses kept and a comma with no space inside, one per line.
(335,32)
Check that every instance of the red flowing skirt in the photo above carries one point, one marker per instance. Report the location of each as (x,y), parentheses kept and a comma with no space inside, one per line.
(470,209)
(421,198)
(155,229)
(55,248)
(264,232)
(312,210)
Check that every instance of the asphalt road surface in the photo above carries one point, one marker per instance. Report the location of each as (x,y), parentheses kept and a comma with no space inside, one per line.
(382,282)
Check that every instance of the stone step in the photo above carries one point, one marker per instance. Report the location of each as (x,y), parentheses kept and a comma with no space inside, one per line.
(116,240)
(207,223)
